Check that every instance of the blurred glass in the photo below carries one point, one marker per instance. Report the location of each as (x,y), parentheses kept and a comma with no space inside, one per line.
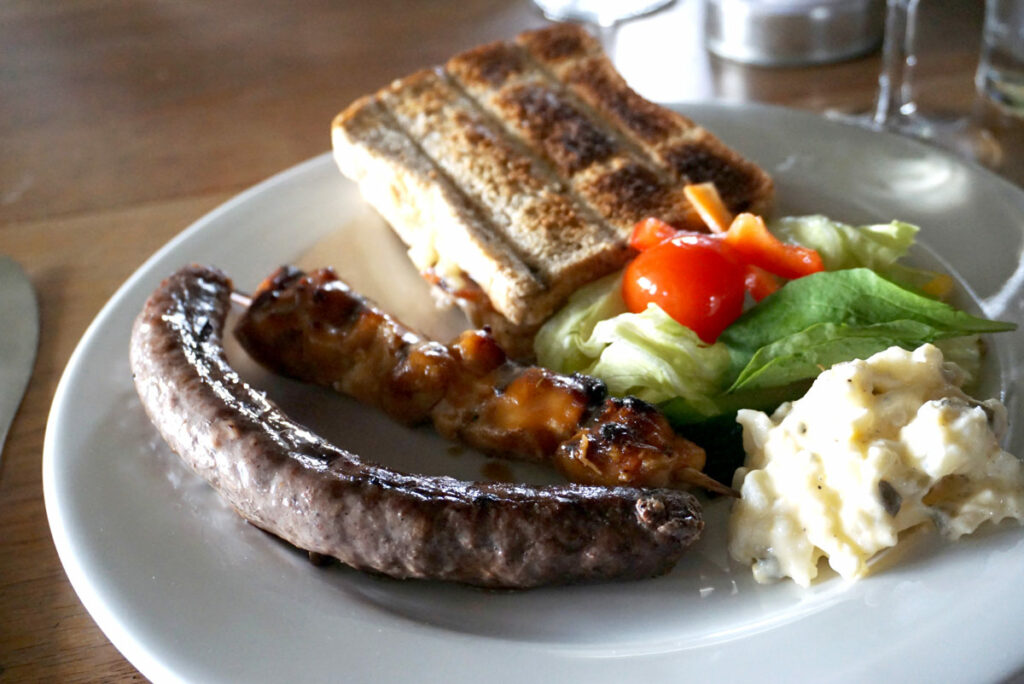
(896,107)
(1000,75)
(600,12)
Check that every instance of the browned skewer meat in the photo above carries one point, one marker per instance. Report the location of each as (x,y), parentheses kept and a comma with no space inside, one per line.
(314,328)
(286,480)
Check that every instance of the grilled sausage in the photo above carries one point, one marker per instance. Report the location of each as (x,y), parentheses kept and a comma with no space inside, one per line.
(313,327)
(286,480)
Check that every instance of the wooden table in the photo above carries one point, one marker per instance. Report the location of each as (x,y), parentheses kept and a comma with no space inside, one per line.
(122,122)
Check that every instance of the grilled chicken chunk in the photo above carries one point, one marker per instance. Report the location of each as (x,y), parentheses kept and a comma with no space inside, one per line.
(314,328)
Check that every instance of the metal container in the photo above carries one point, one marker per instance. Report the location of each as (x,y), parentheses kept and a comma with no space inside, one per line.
(793,32)
(600,12)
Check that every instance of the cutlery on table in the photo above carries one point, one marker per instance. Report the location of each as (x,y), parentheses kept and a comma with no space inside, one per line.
(19,337)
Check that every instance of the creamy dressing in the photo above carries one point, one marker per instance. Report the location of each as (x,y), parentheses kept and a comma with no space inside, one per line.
(875,447)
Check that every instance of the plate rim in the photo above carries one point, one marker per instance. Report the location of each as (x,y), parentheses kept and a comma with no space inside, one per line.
(135,651)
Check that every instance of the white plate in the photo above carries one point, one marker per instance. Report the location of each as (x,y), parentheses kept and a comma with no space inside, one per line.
(189,592)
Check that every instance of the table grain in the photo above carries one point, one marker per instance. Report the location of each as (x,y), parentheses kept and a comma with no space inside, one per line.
(122,122)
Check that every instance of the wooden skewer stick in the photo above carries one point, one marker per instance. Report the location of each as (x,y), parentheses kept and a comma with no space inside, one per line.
(241,299)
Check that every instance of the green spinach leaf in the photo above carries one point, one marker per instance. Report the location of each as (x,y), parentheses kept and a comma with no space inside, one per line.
(819,320)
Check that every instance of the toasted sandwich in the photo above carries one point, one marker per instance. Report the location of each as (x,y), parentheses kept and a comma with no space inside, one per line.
(516,172)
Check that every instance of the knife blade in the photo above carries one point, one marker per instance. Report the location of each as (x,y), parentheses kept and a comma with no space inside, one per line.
(19,339)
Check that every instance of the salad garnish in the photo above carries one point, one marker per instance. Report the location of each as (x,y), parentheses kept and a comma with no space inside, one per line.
(851,299)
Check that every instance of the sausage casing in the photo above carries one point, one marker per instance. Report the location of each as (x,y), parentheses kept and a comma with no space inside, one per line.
(284,479)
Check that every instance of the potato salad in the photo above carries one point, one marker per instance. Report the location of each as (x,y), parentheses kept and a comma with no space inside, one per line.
(875,447)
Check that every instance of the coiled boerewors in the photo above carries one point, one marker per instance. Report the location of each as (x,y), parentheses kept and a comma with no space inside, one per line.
(284,479)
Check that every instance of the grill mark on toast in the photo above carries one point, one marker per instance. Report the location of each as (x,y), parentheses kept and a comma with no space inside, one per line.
(573,58)
(640,119)
(550,231)
(390,143)
(559,128)
(489,65)
(421,109)
(560,42)
(646,185)
(685,151)
(572,142)
(552,59)
(619,185)
(631,191)
(696,163)
(543,166)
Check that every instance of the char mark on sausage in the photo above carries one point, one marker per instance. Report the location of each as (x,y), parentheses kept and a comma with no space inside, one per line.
(284,479)
(316,329)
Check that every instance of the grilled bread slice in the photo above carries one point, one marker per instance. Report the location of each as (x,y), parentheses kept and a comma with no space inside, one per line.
(516,171)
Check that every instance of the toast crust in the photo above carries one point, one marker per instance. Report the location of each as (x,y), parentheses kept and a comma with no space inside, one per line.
(518,170)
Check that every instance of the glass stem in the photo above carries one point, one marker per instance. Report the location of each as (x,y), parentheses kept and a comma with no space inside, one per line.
(896,83)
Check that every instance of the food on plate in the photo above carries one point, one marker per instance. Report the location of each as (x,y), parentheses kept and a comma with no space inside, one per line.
(692,279)
(314,328)
(286,480)
(701,280)
(516,171)
(863,302)
(875,447)
(524,176)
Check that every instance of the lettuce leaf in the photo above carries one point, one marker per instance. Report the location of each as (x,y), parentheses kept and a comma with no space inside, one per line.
(844,246)
(877,246)
(559,343)
(647,354)
(651,356)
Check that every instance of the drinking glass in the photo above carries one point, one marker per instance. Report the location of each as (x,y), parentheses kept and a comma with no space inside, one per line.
(1000,76)
(895,107)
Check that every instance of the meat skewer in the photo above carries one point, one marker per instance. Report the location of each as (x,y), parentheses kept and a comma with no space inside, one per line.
(316,329)
(286,480)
